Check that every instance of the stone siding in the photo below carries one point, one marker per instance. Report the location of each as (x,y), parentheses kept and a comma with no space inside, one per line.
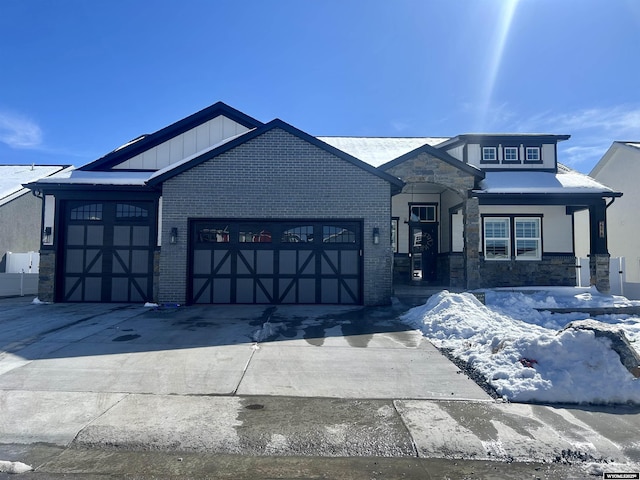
(557,270)
(277,175)
(47,275)
(459,271)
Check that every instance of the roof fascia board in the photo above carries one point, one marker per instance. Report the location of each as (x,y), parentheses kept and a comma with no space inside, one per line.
(573,199)
(276,123)
(436,152)
(153,140)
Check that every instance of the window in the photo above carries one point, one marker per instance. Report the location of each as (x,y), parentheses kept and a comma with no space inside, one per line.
(87,212)
(496,238)
(423,213)
(336,234)
(298,235)
(511,155)
(124,210)
(527,240)
(254,234)
(489,155)
(533,155)
(214,234)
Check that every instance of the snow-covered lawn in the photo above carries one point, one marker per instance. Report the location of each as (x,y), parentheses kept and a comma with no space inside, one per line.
(524,353)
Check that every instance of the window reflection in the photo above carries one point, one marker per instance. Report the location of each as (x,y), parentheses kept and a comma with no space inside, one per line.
(214,235)
(336,234)
(254,234)
(298,235)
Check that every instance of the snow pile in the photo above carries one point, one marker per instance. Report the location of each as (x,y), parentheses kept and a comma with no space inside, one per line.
(14,467)
(523,353)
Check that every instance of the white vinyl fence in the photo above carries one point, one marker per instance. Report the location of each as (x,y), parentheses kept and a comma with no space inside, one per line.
(18,284)
(21,277)
(616,274)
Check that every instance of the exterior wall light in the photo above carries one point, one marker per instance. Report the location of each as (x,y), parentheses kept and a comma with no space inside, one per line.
(376,236)
(173,236)
(47,234)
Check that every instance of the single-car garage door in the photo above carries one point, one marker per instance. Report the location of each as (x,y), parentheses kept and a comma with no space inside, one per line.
(275,262)
(107,251)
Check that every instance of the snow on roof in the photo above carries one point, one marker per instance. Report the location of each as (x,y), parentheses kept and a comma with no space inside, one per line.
(113,177)
(377,151)
(522,181)
(12,177)
(633,144)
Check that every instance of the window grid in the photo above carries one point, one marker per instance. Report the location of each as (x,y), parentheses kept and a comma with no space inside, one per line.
(87,212)
(496,238)
(489,154)
(527,239)
(533,154)
(124,210)
(510,154)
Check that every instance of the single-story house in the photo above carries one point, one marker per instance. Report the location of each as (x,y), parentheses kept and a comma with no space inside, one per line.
(620,168)
(222,208)
(20,211)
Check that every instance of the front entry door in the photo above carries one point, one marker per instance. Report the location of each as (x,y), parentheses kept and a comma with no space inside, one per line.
(424,251)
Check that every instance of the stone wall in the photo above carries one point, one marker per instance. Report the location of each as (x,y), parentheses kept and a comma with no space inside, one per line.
(47,275)
(557,270)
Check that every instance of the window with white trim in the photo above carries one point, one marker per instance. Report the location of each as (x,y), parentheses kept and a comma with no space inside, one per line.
(497,238)
(489,154)
(510,154)
(527,238)
(524,244)
(532,155)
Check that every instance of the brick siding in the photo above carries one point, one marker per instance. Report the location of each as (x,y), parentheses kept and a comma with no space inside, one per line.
(277,175)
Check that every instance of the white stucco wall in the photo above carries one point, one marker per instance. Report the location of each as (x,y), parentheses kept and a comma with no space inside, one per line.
(557,228)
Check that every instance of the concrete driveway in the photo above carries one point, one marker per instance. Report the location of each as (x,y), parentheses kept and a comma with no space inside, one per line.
(223,350)
(286,381)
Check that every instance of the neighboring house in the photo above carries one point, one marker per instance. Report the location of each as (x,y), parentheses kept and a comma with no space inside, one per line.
(20,211)
(620,168)
(222,208)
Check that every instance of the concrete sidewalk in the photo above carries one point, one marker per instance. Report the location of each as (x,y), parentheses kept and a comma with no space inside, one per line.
(265,381)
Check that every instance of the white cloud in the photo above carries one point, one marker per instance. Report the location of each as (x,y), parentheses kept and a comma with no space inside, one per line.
(18,131)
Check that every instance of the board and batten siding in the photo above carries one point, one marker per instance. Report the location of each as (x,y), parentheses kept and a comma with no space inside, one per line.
(184,145)
(547,152)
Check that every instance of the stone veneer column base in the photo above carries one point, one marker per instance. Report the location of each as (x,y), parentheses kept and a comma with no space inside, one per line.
(46,279)
(599,272)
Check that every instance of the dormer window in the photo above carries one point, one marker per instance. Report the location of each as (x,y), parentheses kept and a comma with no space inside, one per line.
(532,155)
(489,155)
(511,155)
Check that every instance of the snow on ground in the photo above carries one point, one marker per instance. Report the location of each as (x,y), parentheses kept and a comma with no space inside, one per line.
(523,353)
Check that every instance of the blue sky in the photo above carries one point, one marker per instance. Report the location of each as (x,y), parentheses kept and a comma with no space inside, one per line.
(79,78)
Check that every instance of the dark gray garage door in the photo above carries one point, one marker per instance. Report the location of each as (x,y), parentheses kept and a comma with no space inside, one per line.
(275,262)
(107,252)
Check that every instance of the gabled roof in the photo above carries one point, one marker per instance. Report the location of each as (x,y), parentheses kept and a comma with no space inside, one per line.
(434,152)
(145,142)
(377,151)
(631,147)
(12,178)
(175,169)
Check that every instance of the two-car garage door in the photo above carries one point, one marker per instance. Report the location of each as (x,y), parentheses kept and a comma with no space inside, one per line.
(275,262)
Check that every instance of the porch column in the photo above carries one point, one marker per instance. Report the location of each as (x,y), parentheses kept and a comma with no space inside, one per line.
(599,254)
(472,242)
